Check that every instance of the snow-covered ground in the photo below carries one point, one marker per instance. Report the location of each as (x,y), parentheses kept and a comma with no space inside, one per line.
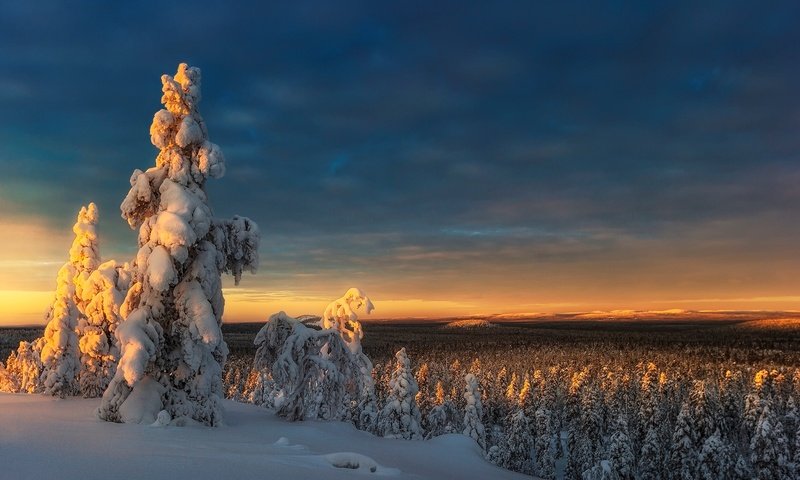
(43,437)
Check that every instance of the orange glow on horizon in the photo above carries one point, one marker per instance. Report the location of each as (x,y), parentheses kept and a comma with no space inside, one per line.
(28,307)
(639,276)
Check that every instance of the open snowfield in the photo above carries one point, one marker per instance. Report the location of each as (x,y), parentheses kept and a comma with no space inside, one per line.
(43,437)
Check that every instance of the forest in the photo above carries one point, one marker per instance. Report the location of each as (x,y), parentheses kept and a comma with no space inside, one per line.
(593,399)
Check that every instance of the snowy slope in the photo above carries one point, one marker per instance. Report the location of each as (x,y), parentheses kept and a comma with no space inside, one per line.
(42,437)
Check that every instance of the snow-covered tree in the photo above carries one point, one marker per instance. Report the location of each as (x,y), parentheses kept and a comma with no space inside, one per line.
(769,453)
(651,456)
(400,417)
(755,400)
(102,294)
(703,412)
(683,455)
(731,400)
(591,423)
(499,455)
(543,456)
(60,353)
(511,390)
(423,398)
(443,417)
(714,460)
(473,411)
(520,442)
(600,471)
(620,451)
(742,470)
(8,381)
(340,315)
(577,460)
(308,368)
(173,310)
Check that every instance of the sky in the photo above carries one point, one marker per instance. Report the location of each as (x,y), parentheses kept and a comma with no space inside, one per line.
(449,158)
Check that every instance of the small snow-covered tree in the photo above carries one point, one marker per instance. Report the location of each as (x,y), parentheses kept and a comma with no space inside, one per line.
(703,412)
(511,391)
(651,456)
(714,460)
(755,400)
(473,411)
(620,451)
(544,460)
(102,293)
(579,454)
(520,442)
(308,368)
(742,470)
(600,471)
(769,454)
(340,315)
(731,399)
(60,353)
(444,417)
(591,423)
(683,455)
(400,417)
(499,455)
(8,381)
(171,333)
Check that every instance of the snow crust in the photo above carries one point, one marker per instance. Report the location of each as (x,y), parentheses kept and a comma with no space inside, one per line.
(43,437)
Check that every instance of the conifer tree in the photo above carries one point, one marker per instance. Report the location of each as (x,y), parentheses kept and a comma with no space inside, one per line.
(400,417)
(769,453)
(683,454)
(340,315)
(473,412)
(545,463)
(60,353)
(650,458)
(171,335)
(620,451)
(102,294)
(520,442)
(714,460)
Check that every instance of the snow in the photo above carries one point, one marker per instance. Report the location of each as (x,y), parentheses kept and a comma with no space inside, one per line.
(160,271)
(143,405)
(43,437)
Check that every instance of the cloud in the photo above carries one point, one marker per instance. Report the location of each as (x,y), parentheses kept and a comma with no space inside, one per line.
(518,146)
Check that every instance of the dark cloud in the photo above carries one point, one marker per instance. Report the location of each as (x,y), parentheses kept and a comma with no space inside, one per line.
(433,132)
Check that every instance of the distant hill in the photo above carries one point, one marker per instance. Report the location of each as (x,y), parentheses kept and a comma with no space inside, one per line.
(470,324)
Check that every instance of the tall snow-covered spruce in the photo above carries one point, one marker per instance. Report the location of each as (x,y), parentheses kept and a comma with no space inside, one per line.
(171,345)
(59,354)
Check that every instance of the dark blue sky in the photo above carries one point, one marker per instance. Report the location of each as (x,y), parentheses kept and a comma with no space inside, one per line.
(500,155)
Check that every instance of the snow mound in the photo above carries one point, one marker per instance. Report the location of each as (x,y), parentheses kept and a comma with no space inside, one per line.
(143,404)
(471,324)
(356,461)
(253,441)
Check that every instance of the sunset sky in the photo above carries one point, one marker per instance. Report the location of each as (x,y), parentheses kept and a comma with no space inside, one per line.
(449,158)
